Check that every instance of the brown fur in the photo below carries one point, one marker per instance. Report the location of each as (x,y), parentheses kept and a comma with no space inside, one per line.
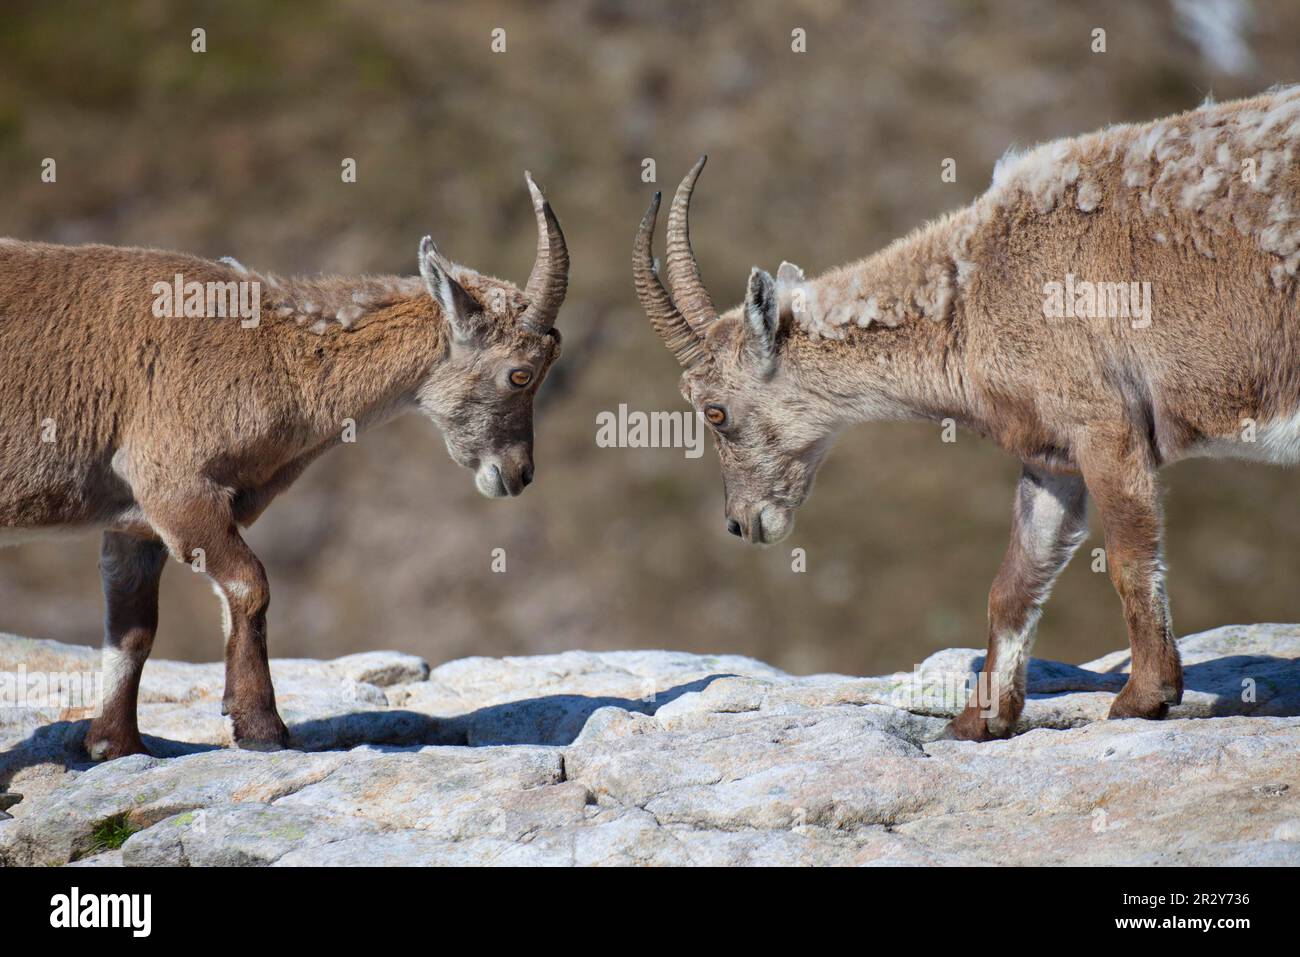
(172,433)
(951,323)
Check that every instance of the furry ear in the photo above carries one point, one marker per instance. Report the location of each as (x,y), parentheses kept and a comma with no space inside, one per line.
(459,308)
(788,273)
(789,278)
(762,319)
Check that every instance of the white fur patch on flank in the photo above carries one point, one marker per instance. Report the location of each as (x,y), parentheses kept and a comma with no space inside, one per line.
(1276,442)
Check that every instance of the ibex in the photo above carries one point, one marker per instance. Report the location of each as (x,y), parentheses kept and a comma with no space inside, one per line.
(1025,317)
(172,433)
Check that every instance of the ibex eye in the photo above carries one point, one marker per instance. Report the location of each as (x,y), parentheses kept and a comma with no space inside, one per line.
(716,415)
(521,377)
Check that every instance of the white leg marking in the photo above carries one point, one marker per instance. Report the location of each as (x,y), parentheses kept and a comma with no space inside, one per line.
(1041,517)
(227,623)
(117,668)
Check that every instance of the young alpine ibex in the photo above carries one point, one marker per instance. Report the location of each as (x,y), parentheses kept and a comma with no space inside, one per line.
(1112,303)
(171,433)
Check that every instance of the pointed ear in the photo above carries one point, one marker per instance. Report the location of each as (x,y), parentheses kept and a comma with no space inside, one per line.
(788,279)
(762,320)
(459,308)
(788,274)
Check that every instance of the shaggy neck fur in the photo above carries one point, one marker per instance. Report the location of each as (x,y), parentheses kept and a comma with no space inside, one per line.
(353,349)
(882,338)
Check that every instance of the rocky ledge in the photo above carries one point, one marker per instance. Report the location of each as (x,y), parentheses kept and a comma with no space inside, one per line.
(655,757)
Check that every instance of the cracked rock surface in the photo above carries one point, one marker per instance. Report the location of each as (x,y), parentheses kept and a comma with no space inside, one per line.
(655,757)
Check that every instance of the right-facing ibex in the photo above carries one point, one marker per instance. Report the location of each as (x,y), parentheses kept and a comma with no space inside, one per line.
(1113,303)
(168,399)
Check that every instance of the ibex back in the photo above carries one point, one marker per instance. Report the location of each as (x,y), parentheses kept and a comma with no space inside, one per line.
(1113,303)
(127,404)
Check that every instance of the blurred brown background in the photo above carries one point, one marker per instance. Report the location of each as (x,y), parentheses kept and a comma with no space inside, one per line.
(818,157)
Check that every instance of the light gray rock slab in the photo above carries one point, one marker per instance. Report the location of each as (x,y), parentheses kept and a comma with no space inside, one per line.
(143,790)
(666,758)
(238,835)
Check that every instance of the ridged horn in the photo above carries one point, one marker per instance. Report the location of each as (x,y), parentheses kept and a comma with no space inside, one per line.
(672,327)
(549,279)
(683,270)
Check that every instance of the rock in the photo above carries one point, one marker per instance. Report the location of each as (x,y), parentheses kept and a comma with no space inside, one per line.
(666,758)
(382,669)
(236,835)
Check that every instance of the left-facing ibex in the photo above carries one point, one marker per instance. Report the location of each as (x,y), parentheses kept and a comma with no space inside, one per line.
(1113,303)
(168,399)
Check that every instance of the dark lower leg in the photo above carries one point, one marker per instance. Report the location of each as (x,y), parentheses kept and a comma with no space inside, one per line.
(130,568)
(249,695)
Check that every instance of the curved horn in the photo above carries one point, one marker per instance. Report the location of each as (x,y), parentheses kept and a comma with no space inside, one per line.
(683,269)
(549,279)
(675,331)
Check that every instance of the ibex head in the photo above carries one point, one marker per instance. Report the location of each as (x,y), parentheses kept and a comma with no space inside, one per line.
(770,435)
(501,343)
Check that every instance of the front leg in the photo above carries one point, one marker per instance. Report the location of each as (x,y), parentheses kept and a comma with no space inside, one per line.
(1049,520)
(1121,477)
(203,521)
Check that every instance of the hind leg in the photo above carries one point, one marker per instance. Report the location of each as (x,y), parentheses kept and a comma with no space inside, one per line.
(1122,480)
(130,568)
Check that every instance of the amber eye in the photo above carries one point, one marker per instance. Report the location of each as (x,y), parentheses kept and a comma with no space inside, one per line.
(716,415)
(521,377)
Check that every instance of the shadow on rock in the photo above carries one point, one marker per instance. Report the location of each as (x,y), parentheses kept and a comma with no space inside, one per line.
(548,720)
(1247,684)
(61,743)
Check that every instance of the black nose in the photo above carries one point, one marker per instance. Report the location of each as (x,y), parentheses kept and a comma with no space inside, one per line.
(526,475)
(733,526)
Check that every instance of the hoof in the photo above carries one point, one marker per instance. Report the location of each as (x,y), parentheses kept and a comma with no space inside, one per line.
(261,733)
(970,726)
(103,749)
(1151,704)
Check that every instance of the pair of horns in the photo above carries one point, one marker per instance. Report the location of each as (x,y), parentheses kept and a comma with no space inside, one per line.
(682,318)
